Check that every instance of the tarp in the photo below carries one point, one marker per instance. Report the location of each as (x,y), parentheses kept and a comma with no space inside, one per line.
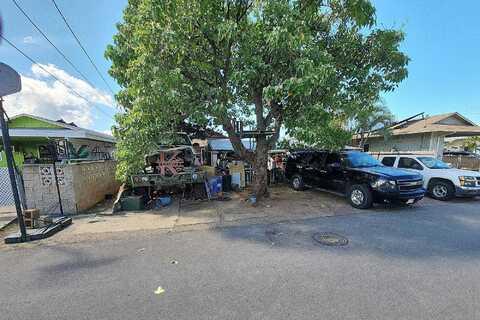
(226,145)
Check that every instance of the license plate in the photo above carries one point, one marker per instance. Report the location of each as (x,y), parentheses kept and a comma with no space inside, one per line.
(410,201)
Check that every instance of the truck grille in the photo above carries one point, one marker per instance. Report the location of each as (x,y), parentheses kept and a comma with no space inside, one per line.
(410,185)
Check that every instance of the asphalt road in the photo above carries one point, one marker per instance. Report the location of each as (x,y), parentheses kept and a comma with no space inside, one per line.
(407,263)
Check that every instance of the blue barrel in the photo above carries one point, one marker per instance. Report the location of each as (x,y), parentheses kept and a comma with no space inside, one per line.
(215,185)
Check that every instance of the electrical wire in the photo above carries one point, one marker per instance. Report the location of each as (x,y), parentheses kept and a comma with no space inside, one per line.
(81,46)
(53,45)
(55,77)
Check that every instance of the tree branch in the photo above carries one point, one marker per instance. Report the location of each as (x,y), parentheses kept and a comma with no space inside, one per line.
(237,142)
(209,40)
(258,101)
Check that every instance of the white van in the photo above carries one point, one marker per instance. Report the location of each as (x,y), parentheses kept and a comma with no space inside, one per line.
(441,181)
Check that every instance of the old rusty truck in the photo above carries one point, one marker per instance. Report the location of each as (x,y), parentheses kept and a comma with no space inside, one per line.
(172,163)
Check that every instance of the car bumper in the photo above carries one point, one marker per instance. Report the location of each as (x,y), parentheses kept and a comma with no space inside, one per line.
(467,192)
(404,195)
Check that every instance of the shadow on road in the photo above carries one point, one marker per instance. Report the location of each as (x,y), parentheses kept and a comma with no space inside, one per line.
(432,230)
(74,260)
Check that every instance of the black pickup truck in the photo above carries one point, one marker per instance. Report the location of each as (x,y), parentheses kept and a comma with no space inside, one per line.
(357,175)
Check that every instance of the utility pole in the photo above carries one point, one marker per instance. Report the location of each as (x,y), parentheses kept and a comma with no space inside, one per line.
(11,171)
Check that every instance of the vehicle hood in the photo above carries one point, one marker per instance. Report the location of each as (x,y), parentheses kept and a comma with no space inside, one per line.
(460,172)
(391,173)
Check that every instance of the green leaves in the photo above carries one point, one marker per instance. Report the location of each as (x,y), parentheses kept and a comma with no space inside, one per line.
(305,65)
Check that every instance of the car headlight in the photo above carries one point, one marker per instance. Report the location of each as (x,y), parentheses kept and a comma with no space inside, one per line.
(467,181)
(383,184)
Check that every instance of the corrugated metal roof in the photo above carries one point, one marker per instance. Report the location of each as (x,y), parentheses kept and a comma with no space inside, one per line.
(226,145)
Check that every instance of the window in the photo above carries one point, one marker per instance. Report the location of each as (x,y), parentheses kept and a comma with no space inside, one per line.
(333,158)
(316,161)
(409,163)
(45,152)
(361,160)
(389,161)
(433,163)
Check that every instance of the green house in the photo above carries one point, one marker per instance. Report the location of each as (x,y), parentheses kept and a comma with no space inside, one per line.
(33,136)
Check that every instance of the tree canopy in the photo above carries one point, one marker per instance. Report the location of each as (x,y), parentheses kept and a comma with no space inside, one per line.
(308,66)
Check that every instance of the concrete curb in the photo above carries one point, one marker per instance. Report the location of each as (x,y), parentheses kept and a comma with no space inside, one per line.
(8,224)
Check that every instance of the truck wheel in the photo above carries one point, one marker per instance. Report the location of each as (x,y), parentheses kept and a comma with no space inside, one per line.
(297,183)
(441,190)
(360,196)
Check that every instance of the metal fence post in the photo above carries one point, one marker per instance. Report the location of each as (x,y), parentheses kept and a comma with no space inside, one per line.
(11,171)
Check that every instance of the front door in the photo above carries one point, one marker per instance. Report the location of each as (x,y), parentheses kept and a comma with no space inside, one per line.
(317,169)
(334,176)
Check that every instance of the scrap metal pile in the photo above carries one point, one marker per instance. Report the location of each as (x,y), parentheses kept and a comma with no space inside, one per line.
(169,166)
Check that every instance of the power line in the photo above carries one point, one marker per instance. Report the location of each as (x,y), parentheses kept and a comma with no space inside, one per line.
(55,77)
(82,47)
(53,45)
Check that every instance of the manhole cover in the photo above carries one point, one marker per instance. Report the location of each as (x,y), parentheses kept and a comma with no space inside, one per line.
(330,239)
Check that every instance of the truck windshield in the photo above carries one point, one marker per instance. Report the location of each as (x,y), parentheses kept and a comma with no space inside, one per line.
(362,160)
(433,163)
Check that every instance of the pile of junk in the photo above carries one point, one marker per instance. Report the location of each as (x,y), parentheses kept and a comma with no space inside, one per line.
(172,170)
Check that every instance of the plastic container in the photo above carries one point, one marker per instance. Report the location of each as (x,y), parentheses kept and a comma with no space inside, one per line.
(165,201)
(215,185)
(133,203)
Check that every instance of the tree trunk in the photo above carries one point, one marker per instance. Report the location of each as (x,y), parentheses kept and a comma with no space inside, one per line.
(260,183)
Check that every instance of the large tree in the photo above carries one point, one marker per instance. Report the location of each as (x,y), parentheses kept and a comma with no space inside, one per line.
(305,65)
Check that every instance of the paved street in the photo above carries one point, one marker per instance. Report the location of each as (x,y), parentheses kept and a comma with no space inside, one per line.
(407,263)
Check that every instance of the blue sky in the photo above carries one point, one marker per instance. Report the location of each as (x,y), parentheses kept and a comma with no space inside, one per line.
(443,43)
(442,40)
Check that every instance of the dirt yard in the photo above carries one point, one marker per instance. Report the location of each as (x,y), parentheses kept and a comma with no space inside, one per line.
(283,204)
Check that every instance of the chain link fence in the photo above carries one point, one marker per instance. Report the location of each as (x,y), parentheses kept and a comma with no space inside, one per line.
(6,194)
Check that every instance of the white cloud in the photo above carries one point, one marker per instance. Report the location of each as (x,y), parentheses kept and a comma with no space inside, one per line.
(44,96)
(29,40)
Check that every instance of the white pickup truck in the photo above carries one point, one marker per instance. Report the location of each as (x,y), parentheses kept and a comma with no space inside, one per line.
(441,181)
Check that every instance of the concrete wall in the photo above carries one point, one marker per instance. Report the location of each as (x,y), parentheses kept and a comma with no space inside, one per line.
(412,142)
(82,185)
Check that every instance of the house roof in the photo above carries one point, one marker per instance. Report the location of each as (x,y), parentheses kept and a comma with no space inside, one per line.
(56,129)
(451,124)
(226,145)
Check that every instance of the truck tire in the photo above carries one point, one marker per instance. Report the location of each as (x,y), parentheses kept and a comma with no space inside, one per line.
(441,190)
(297,183)
(360,196)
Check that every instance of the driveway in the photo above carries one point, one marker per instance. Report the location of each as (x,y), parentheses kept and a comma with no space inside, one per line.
(406,263)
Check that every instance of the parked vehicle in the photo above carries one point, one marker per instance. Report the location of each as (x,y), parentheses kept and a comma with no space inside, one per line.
(172,162)
(357,175)
(441,180)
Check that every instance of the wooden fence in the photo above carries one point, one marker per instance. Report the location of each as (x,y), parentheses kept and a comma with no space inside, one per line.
(463,162)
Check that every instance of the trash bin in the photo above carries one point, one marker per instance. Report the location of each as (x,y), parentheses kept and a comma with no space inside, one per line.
(227,183)
(133,203)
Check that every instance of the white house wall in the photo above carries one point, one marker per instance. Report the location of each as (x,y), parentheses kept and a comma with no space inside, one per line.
(410,143)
